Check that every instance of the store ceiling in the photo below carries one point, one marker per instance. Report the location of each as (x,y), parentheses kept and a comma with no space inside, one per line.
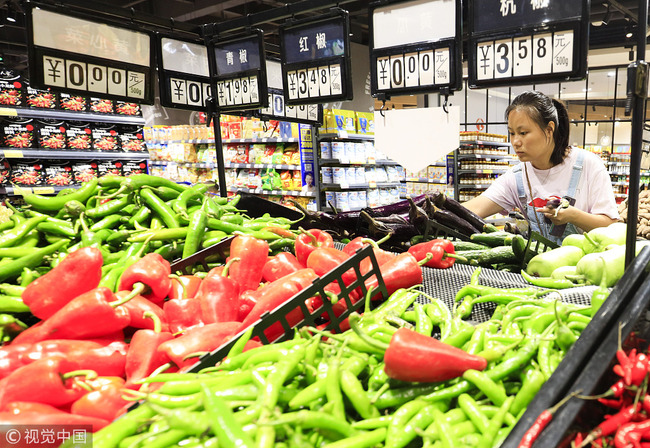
(611,20)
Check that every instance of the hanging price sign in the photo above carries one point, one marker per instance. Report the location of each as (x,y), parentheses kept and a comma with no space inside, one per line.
(414,47)
(91,58)
(239,65)
(315,58)
(527,41)
(184,76)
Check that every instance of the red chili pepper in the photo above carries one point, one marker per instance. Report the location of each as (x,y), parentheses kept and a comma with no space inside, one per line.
(252,254)
(153,272)
(137,307)
(246,303)
(381,255)
(277,293)
(94,313)
(219,296)
(310,240)
(609,426)
(41,381)
(402,271)
(540,423)
(104,401)
(442,250)
(182,314)
(19,407)
(184,286)
(143,356)
(196,340)
(415,357)
(324,259)
(614,404)
(631,433)
(76,274)
(638,369)
(282,264)
(49,420)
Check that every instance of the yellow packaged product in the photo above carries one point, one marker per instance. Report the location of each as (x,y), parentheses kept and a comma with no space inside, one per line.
(365,122)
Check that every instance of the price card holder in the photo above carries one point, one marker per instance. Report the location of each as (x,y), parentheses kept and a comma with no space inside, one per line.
(238,65)
(517,43)
(13,154)
(410,55)
(43,190)
(315,57)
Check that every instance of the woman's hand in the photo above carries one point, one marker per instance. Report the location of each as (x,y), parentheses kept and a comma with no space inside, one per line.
(558,216)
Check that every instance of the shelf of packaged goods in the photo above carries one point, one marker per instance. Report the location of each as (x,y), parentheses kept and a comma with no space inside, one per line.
(359,186)
(618,163)
(423,180)
(620,183)
(350,209)
(618,195)
(16,190)
(483,156)
(70,154)
(262,166)
(228,140)
(343,135)
(69,115)
(185,164)
(464,186)
(337,162)
(271,192)
(481,142)
(482,171)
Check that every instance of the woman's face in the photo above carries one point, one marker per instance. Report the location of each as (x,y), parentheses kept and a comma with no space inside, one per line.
(530,143)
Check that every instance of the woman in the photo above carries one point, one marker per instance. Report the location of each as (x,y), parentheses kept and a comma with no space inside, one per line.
(539,133)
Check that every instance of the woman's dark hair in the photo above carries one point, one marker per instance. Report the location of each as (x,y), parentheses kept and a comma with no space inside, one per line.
(542,109)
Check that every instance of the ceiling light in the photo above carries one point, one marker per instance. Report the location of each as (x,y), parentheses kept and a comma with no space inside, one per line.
(607,16)
(11,14)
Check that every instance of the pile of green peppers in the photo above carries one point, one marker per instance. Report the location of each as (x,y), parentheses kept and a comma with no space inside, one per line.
(125,217)
(330,390)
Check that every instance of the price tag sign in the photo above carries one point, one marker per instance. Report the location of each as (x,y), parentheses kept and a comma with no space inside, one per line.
(13,154)
(239,70)
(184,74)
(414,47)
(88,57)
(524,42)
(315,58)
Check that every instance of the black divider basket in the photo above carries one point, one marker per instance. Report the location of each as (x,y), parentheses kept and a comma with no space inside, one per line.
(434,230)
(216,252)
(587,367)
(256,206)
(537,244)
(285,314)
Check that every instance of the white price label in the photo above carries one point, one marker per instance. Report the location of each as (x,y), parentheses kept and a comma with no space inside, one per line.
(303,85)
(178,90)
(253,87)
(292,85)
(563,51)
(324,84)
(135,85)
(97,78)
(335,79)
(245,91)
(195,93)
(236,91)
(221,93)
(291,112)
(485,60)
(278,105)
(503,58)
(426,68)
(312,112)
(397,72)
(302,112)
(412,70)
(54,71)
(116,81)
(522,56)
(542,54)
(442,67)
(75,74)
(312,82)
(383,73)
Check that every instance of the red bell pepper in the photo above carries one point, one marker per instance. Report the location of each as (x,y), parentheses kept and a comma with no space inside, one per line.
(143,356)
(277,293)
(103,401)
(11,357)
(415,357)
(402,271)
(49,420)
(310,240)
(184,286)
(381,255)
(76,274)
(218,296)
(282,264)
(94,313)
(42,381)
(442,251)
(324,259)
(196,340)
(137,307)
(153,272)
(182,314)
(252,254)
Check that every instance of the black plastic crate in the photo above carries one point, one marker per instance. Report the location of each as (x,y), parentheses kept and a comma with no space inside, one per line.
(216,252)
(434,230)
(587,366)
(255,206)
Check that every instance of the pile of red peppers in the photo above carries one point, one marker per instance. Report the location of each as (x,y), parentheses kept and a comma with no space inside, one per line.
(92,345)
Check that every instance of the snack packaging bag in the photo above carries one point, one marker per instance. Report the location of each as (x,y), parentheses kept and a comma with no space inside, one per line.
(278,153)
(287,179)
(297,180)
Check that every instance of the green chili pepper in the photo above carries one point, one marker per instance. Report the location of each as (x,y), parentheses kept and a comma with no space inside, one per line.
(108,222)
(600,294)
(108,208)
(547,282)
(11,237)
(160,235)
(55,203)
(496,423)
(140,216)
(195,231)
(491,390)
(74,208)
(15,267)
(159,207)
(532,381)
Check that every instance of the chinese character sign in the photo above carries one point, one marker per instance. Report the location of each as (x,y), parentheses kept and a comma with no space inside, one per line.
(237,56)
(315,42)
(499,15)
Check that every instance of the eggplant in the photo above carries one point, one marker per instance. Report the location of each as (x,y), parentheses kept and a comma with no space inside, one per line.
(459,210)
(378,229)
(429,206)
(455,222)
(417,216)
(396,208)
(392,219)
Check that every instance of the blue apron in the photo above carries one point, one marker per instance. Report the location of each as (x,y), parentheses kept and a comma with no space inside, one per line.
(548,230)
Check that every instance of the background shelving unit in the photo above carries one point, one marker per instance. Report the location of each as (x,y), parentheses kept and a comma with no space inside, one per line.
(478,164)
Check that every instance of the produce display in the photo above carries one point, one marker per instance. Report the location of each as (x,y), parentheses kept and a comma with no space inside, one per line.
(643,214)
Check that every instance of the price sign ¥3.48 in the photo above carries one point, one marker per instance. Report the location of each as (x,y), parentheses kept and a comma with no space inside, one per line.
(521,42)
(316,60)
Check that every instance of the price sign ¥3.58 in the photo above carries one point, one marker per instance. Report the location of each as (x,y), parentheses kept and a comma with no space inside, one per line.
(522,42)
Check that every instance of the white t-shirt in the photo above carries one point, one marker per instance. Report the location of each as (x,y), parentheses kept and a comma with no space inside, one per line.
(594,193)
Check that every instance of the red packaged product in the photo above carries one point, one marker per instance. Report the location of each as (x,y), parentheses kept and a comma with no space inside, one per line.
(124,108)
(84,171)
(18,132)
(132,139)
(105,138)
(51,134)
(101,106)
(40,99)
(134,167)
(73,103)
(27,173)
(109,168)
(11,88)
(79,136)
(58,173)
(5,172)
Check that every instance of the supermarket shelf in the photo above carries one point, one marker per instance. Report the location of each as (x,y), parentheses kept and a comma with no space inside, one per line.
(350,209)
(620,183)
(66,115)
(186,164)
(44,189)
(229,140)
(337,162)
(270,192)
(618,163)
(262,165)
(346,136)
(484,156)
(424,180)
(71,154)
(481,171)
(481,142)
(618,195)
(359,186)
(463,186)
